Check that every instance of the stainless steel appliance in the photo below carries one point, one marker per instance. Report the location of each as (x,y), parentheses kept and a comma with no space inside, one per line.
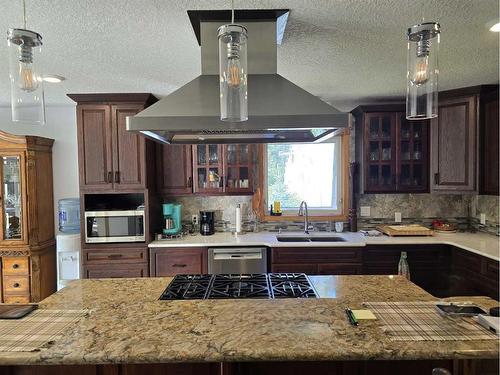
(114,226)
(229,286)
(237,260)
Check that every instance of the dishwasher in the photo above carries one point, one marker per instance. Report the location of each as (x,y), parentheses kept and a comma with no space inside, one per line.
(237,260)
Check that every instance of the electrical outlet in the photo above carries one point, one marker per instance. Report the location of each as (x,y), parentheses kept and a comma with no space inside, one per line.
(397,217)
(194,219)
(482,219)
(364,211)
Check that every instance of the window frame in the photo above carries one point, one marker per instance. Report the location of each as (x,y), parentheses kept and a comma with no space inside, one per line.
(260,198)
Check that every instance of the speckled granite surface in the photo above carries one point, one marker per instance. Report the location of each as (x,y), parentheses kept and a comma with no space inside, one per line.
(128,324)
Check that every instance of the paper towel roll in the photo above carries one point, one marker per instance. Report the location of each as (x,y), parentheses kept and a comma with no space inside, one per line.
(238,218)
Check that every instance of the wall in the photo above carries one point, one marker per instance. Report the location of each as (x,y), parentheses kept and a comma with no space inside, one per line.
(60,126)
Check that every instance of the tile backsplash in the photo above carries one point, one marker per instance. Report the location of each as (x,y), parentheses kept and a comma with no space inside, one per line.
(464,210)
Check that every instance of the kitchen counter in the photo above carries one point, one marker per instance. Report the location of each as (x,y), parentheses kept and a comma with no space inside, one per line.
(128,324)
(479,243)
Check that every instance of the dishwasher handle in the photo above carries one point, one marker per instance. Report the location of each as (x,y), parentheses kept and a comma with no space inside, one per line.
(237,256)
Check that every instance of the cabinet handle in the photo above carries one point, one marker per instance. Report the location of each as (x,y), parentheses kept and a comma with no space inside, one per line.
(110,177)
(114,256)
(179,265)
(15,266)
(190,182)
(117,177)
(436,178)
(16,285)
(221,181)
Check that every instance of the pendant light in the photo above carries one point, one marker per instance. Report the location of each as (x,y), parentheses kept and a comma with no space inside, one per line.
(233,71)
(26,84)
(423,71)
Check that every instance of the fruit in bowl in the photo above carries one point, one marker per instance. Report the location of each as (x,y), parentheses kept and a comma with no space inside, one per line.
(444,227)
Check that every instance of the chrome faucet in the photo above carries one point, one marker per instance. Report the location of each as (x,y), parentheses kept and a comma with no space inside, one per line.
(303,212)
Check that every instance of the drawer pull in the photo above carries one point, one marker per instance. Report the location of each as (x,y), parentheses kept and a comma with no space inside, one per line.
(16,285)
(179,265)
(15,266)
(115,256)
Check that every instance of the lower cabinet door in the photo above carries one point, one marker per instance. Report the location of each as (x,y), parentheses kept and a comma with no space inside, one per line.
(308,269)
(115,271)
(174,261)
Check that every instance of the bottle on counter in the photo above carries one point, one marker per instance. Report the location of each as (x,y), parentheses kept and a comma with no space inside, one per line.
(403,267)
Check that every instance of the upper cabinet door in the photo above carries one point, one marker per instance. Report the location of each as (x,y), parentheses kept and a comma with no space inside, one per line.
(208,169)
(95,147)
(128,150)
(13,199)
(380,152)
(453,145)
(238,168)
(490,141)
(174,169)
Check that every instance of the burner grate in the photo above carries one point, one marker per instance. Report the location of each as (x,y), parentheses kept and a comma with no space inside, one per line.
(237,286)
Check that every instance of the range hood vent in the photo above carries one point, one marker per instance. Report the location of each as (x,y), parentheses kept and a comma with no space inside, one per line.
(278,110)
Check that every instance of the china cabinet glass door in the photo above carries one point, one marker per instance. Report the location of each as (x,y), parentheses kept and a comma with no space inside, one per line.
(12,197)
(238,164)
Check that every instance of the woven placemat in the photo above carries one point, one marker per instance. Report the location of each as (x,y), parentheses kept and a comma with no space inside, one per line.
(36,330)
(420,321)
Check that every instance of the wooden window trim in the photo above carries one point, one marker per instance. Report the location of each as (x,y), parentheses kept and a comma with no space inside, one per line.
(258,198)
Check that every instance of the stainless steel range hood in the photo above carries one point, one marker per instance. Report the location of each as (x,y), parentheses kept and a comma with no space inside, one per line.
(278,110)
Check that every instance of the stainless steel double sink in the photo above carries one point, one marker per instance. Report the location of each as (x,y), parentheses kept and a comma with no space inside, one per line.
(309,238)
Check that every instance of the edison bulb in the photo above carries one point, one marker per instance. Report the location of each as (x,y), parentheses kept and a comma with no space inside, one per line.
(421,74)
(234,73)
(28,80)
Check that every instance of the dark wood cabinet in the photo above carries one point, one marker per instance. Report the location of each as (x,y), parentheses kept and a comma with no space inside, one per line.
(129,165)
(110,158)
(453,145)
(95,156)
(317,261)
(393,152)
(465,141)
(173,261)
(223,169)
(115,261)
(174,169)
(488,144)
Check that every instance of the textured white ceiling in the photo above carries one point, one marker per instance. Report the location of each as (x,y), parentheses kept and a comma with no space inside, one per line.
(347,52)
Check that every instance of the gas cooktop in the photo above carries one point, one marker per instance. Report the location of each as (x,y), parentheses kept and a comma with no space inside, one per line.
(229,286)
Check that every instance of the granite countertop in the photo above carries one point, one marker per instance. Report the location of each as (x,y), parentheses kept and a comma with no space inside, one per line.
(128,324)
(479,243)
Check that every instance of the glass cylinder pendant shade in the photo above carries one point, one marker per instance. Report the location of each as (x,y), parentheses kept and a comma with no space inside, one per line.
(233,73)
(423,71)
(26,84)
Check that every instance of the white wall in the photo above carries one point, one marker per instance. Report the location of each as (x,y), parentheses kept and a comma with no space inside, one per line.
(60,126)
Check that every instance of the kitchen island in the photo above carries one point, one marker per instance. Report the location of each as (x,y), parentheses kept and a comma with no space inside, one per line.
(127,324)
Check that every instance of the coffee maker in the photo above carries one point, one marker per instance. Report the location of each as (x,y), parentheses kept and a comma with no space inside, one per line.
(171,219)
(207,223)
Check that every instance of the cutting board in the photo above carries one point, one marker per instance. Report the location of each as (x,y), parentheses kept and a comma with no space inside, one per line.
(405,230)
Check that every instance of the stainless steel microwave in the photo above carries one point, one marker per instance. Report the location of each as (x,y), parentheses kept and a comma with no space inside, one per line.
(114,226)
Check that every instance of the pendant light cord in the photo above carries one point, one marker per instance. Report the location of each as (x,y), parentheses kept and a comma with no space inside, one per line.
(232,11)
(24,13)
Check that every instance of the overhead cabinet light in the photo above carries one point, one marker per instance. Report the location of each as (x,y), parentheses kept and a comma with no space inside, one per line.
(423,71)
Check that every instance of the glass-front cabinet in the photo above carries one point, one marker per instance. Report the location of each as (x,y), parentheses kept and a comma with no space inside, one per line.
(223,168)
(395,152)
(12,197)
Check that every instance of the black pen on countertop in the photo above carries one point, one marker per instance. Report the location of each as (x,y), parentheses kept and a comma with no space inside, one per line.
(351,317)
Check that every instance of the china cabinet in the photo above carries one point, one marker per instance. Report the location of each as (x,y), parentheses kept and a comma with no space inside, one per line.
(27,244)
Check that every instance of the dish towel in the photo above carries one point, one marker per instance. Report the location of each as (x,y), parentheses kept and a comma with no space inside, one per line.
(36,330)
